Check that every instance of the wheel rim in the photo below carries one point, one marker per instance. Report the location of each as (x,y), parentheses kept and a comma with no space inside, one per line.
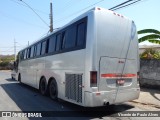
(43,87)
(53,90)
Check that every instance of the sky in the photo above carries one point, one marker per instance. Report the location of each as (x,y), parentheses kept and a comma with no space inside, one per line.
(20,24)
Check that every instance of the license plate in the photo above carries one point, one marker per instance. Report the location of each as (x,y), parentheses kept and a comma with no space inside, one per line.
(120,82)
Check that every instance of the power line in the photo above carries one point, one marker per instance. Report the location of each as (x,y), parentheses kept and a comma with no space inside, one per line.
(113,8)
(35,12)
(22,21)
(27,6)
(121,4)
(119,7)
(68,16)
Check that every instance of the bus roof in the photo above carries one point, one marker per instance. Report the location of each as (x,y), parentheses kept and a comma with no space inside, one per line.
(74,20)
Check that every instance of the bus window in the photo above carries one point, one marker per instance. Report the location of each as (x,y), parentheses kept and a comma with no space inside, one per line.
(22,55)
(38,49)
(52,44)
(58,38)
(35,50)
(43,51)
(70,37)
(25,54)
(81,34)
(32,52)
(28,52)
(63,39)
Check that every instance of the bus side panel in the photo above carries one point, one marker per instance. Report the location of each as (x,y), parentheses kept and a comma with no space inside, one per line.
(32,72)
(23,70)
(91,52)
(60,65)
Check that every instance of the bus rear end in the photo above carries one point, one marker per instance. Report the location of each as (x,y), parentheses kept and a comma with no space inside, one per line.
(114,79)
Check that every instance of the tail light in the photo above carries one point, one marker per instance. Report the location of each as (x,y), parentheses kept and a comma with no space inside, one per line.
(93,78)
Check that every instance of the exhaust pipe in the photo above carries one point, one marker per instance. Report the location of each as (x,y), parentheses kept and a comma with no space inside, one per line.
(106,103)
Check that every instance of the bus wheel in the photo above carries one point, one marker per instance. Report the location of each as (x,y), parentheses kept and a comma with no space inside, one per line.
(19,78)
(43,86)
(53,90)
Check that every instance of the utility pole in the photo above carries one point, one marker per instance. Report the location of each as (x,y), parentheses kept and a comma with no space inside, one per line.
(14,49)
(51,17)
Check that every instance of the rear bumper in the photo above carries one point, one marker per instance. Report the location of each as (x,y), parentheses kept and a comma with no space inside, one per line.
(102,98)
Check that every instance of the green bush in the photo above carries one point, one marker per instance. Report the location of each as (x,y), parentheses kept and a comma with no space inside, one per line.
(5,61)
(150,54)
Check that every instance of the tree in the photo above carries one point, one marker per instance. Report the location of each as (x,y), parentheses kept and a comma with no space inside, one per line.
(5,61)
(150,54)
(152,36)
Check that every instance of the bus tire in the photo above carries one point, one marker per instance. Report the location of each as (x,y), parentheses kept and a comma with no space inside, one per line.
(19,78)
(53,90)
(43,86)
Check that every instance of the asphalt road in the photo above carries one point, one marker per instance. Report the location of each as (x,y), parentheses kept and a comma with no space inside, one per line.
(19,97)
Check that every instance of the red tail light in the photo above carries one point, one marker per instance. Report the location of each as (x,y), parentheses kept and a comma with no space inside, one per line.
(93,78)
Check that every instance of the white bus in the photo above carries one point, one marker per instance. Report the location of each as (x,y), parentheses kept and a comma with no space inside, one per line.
(92,61)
